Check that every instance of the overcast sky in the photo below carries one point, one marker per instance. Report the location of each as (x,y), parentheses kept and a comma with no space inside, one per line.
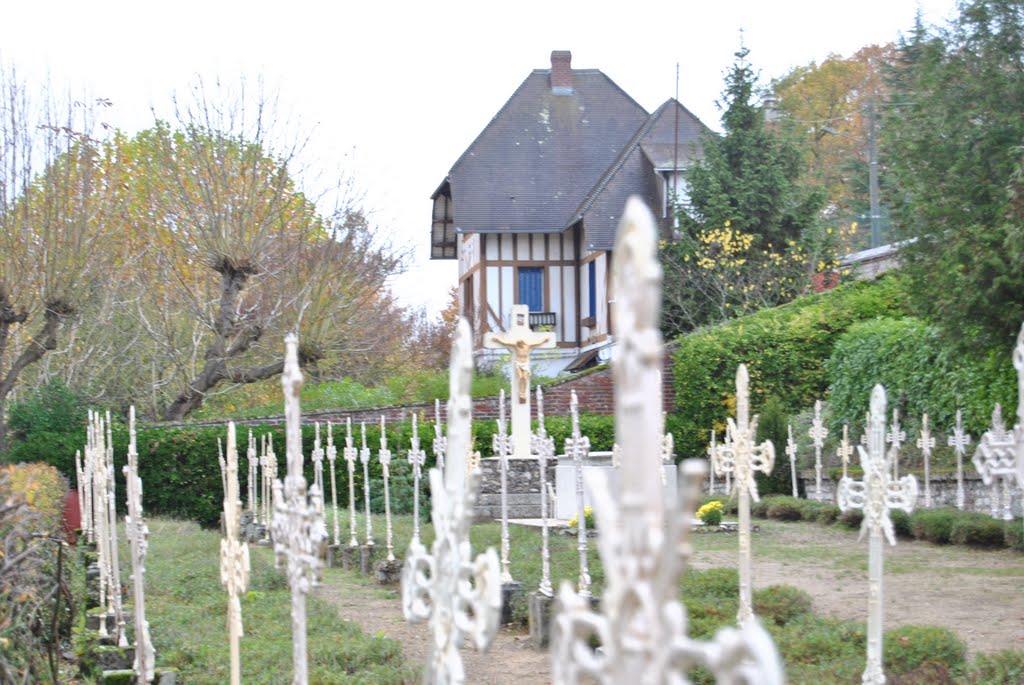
(393,92)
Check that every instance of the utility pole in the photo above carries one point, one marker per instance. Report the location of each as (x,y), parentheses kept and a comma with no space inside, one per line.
(873,194)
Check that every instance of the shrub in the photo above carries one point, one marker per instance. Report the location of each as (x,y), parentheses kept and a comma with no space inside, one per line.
(851,518)
(711,513)
(977,530)
(729,505)
(1001,668)
(1013,534)
(784,509)
(781,603)
(901,523)
(719,583)
(933,525)
(907,648)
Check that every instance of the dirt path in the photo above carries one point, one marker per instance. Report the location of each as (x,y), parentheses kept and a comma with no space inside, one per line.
(975,593)
(511,660)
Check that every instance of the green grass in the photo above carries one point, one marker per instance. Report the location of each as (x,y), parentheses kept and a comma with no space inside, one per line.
(186,609)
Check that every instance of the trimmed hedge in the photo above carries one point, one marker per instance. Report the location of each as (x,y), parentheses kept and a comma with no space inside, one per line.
(784,348)
(919,372)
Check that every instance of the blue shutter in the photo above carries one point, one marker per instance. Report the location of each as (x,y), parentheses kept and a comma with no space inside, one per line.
(592,280)
(531,287)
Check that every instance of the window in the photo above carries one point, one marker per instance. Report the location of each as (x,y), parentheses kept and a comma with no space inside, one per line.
(592,289)
(675,195)
(531,287)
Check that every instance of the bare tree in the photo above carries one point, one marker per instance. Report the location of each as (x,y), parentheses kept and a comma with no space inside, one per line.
(51,223)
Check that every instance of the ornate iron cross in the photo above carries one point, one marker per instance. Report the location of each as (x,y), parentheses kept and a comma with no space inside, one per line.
(959,441)
(364,456)
(417,458)
(644,542)
(791,453)
(895,437)
(877,494)
(501,444)
(845,450)
(332,456)
(297,528)
(925,443)
(234,557)
(743,458)
(318,466)
(137,532)
(543,445)
(351,454)
(250,454)
(818,433)
(384,456)
(577,447)
(996,458)
(440,444)
(459,595)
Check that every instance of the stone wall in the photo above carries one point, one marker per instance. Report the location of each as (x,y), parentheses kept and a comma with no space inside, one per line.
(523,488)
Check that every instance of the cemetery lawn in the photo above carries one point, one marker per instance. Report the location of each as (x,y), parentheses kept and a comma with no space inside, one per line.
(186,607)
(972,592)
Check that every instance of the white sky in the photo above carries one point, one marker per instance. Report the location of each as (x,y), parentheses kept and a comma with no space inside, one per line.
(393,92)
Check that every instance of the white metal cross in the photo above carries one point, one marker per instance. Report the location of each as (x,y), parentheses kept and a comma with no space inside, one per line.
(364,456)
(137,532)
(317,457)
(818,433)
(351,454)
(743,458)
(417,458)
(459,595)
(297,528)
(996,458)
(234,557)
(791,453)
(332,456)
(926,442)
(644,541)
(501,444)
(577,447)
(712,448)
(543,445)
(845,450)
(959,441)
(877,494)
(384,456)
(440,443)
(895,437)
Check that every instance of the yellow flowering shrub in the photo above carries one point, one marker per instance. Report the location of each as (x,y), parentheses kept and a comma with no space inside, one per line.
(588,519)
(711,513)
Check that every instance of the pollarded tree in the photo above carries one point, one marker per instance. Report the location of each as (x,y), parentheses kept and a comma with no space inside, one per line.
(954,155)
(54,256)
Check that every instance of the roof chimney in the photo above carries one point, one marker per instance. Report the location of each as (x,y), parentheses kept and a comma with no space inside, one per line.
(561,72)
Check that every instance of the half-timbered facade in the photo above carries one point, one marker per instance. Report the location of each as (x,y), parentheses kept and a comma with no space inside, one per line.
(530,208)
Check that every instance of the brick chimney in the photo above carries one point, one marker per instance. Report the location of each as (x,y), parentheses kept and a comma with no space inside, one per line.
(561,72)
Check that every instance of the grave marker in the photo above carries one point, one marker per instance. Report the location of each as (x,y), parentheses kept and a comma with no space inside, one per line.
(137,532)
(925,443)
(791,453)
(234,557)
(577,447)
(417,458)
(384,457)
(818,433)
(877,494)
(501,444)
(959,441)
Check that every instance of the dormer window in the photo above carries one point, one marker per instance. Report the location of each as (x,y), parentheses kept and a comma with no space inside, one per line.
(674,194)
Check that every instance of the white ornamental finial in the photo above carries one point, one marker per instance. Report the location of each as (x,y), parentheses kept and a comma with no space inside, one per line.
(351,454)
(297,528)
(501,444)
(543,445)
(877,494)
(925,443)
(743,458)
(642,631)
(577,447)
(417,458)
(234,557)
(460,595)
(818,433)
(959,441)
(136,531)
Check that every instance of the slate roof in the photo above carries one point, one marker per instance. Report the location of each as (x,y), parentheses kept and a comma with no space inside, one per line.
(546,160)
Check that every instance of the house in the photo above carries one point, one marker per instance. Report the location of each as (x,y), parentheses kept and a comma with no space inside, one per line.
(530,209)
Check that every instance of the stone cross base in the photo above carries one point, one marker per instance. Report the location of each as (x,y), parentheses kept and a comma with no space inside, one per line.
(368,556)
(540,619)
(162,676)
(334,553)
(389,572)
(509,591)
(350,557)
(252,531)
(114,658)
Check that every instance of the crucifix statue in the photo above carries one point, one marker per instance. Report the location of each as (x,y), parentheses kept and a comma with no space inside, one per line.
(743,459)
(459,595)
(640,635)
(520,340)
(877,494)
